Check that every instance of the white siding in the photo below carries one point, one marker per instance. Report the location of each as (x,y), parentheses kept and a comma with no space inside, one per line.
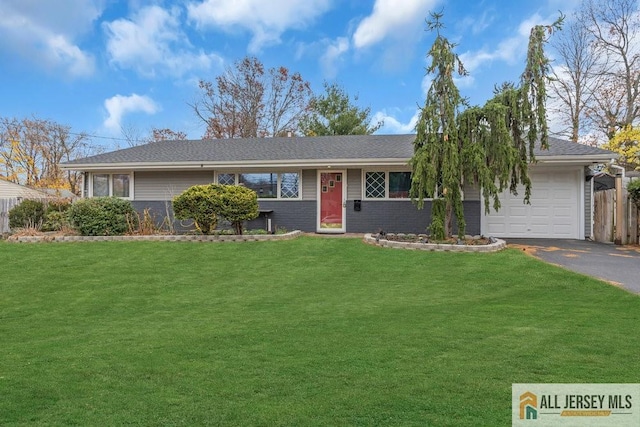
(10,190)
(166,185)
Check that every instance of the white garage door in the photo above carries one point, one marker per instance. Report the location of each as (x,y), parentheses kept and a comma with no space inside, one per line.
(554,211)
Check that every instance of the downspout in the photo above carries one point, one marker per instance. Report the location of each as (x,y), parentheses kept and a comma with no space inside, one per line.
(620,235)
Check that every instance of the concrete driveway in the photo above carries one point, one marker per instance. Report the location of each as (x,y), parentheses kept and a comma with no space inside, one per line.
(619,265)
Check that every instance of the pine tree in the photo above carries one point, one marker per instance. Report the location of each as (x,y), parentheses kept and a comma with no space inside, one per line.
(490,146)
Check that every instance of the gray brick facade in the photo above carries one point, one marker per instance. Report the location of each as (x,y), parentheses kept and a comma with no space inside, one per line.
(392,216)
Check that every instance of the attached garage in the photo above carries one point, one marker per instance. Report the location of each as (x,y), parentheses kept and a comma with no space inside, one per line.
(556,209)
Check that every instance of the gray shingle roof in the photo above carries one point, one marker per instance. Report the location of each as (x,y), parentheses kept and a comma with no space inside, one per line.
(356,147)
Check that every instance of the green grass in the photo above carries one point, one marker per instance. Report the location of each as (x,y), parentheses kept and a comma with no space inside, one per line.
(305,332)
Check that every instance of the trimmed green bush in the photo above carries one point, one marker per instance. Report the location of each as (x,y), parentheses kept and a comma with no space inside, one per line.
(237,204)
(102,216)
(205,203)
(28,214)
(200,204)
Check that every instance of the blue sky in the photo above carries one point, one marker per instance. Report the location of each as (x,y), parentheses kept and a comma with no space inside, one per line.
(98,65)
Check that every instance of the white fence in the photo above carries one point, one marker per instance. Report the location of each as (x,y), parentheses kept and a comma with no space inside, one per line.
(5,207)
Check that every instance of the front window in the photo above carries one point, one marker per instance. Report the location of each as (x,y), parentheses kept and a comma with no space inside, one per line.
(227,178)
(100,185)
(121,185)
(265,184)
(375,185)
(116,185)
(268,185)
(387,185)
(289,185)
(399,185)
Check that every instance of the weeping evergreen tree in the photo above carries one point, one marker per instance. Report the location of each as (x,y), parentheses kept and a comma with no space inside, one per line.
(490,146)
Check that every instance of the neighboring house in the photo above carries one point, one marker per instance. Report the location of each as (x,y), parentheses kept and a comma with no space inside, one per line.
(12,194)
(340,184)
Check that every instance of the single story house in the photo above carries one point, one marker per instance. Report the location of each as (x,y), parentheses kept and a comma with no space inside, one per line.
(338,184)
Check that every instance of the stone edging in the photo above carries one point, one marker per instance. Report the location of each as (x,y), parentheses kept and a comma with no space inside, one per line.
(492,247)
(160,237)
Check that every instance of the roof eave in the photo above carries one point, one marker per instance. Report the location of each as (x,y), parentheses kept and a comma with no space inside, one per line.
(576,159)
(311,163)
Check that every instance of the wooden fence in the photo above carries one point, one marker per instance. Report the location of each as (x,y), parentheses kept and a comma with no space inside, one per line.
(603,215)
(605,221)
(5,207)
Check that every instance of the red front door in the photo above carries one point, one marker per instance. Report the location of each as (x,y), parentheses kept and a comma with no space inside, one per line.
(331,202)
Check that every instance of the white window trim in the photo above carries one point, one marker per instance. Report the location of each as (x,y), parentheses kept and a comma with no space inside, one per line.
(386,185)
(278,186)
(110,174)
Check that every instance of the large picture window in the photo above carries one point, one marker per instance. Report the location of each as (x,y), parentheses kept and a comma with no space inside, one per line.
(268,185)
(117,185)
(387,185)
(265,184)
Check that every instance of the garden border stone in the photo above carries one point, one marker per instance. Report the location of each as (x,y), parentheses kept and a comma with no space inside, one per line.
(159,237)
(498,245)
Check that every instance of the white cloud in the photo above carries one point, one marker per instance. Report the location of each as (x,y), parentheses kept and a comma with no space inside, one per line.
(46,32)
(393,126)
(119,105)
(392,18)
(332,55)
(152,43)
(510,50)
(266,20)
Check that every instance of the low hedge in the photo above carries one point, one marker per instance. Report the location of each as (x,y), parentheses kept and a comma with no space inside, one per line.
(102,216)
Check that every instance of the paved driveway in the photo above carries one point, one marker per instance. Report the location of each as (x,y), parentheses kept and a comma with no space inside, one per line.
(617,264)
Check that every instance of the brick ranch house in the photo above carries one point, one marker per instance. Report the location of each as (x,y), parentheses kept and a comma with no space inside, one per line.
(338,184)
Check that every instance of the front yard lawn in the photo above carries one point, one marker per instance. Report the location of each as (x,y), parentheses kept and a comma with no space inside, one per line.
(305,332)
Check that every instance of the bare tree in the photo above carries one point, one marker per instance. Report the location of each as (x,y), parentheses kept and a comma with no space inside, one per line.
(246,102)
(166,134)
(32,149)
(132,135)
(614,26)
(575,80)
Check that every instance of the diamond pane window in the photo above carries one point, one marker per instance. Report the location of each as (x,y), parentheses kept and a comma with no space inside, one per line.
(374,185)
(227,178)
(289,185)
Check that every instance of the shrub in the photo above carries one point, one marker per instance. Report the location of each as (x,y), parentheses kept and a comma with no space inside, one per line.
(58,205)
(204,203)
(55,221)
(56,215)
(634,191)
(198,203)
(28,214)
(102,216)
(237,204)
